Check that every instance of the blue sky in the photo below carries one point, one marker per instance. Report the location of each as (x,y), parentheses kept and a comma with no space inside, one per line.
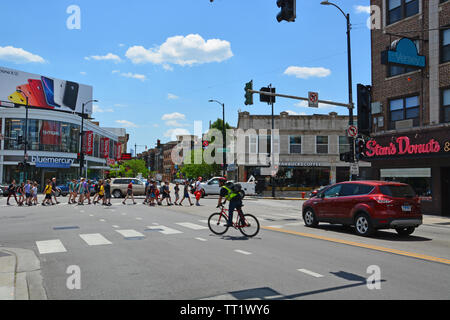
(155,64)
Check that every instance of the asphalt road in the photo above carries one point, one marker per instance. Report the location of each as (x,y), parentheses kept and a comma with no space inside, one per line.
(137,252)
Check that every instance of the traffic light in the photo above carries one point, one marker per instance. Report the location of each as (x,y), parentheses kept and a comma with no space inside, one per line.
(158,143)
(80,157)
(268,99)
(346,157)
(360,148)
(364,113)
(19,140)
(288,10)
(20,166)
(248,95)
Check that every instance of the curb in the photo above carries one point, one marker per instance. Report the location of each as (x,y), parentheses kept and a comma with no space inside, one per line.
(20,275)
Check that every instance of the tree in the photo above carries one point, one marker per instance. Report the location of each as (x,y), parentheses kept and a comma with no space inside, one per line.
(193,171)
(129,168)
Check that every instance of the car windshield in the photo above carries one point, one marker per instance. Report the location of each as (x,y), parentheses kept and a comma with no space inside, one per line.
(398,191)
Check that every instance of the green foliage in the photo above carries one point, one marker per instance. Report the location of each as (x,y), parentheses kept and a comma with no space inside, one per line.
(129,168)
(193,171)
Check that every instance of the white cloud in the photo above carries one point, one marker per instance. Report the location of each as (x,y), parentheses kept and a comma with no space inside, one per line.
(175,123)
(362,9)
(294,113)
(127,124)
(108,57)
(173,116)
(182,50)
(306,72)
(83,73)
(173,133)
(171,96)
(134,76)
(304,104)
(18,55)
(97,109)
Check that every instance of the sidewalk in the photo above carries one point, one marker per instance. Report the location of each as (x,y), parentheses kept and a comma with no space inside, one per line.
(20,275)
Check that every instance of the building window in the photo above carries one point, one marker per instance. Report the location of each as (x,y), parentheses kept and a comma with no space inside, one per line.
(295,144)
(445,45)
(401,9)
(344,145)
(446,105)
(404,109)
(322,144)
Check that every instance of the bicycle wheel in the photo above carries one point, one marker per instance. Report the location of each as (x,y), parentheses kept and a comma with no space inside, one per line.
(217,223)
(250,228)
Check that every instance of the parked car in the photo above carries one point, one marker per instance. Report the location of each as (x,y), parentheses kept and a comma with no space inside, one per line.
(4,189)
(367,205)
(62,190)
(119,187)
(212,187)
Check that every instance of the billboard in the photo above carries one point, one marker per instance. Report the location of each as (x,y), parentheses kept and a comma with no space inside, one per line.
(44,92)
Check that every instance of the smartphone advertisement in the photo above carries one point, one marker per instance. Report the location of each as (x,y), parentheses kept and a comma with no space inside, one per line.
(44,92)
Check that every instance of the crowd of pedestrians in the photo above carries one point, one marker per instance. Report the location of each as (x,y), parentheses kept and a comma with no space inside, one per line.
(26,193)
(79,192)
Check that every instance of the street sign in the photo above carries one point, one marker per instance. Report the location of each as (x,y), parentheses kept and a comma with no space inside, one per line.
(313,99)
(223,150)
(354,168)
(352,131)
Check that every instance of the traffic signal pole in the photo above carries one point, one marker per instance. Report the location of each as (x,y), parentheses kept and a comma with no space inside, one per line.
(338,104)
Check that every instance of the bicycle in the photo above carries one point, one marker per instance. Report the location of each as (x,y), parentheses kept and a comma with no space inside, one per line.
(218,223)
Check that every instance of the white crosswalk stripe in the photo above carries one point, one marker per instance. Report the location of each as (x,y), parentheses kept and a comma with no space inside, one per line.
(311,273)
(50,246)
(192,226)
(164,229)
(130,233)
(95,239)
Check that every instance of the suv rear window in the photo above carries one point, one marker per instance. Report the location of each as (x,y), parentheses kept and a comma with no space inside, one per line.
(398,191)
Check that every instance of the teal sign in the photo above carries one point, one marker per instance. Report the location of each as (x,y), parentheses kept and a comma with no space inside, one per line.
(403,52)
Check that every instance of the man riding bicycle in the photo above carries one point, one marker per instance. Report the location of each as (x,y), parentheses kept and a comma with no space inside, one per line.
(227,193)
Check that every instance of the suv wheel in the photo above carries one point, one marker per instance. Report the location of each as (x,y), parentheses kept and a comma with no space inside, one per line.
(363,225)
(405,231)
(309,217)
(117,194)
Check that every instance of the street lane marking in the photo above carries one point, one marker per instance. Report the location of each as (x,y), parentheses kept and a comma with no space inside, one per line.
(201,239)
(102,220)
(95,239)
(114,226)
(192,226)
(130,233)
(164,229)
(363,245)
(243,252)
(138,218)
(310,273)
(50,246)
(66,228)
(204,221)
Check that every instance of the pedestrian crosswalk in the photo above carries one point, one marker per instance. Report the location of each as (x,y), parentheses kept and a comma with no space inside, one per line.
(97,239)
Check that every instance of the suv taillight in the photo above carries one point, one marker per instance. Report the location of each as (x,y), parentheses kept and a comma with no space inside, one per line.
(382,200)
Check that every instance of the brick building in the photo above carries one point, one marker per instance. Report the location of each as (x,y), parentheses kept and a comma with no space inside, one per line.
(411,98)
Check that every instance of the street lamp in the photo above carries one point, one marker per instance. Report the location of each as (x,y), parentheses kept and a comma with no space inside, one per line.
(224,137)
(82,136)
(350,85)
(25,155)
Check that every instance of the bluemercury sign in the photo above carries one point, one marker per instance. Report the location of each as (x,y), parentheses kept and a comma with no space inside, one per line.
(413,145)
(403,52)
(52,162)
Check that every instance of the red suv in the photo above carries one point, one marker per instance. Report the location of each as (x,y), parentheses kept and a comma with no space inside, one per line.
(367,205)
